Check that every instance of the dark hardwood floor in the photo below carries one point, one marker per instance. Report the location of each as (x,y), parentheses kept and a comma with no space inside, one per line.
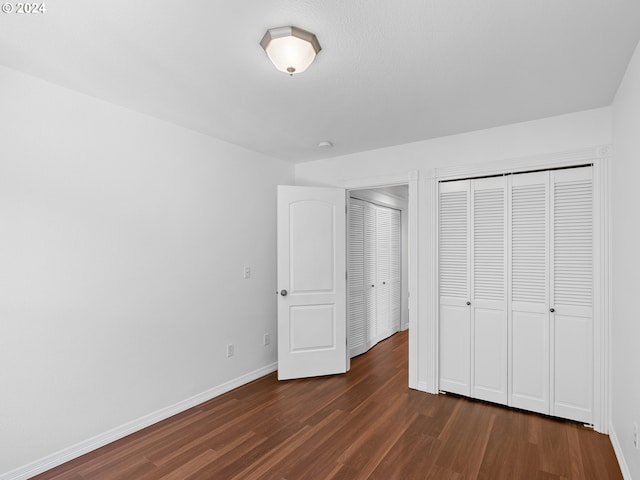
(365,424)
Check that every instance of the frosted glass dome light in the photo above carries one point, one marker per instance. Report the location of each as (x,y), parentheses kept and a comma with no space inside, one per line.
(290,49)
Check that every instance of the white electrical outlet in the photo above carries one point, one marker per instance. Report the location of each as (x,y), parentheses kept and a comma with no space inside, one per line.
(247,272)
(636,441)
(267,339)
(230,350)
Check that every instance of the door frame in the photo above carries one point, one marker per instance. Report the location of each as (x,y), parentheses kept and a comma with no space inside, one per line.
(600,158)
(411,179)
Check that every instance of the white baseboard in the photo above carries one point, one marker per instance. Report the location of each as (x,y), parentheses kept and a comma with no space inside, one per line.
(79,449)
(617,448)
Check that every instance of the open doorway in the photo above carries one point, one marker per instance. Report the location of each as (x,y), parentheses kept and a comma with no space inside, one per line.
(377,265)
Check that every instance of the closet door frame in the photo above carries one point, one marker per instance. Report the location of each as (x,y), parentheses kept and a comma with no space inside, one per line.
(599,157)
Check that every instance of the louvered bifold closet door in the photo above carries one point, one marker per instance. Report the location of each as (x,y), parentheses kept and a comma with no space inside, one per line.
(453,281)
(571,321)
(395,287)
(489,289)
(383,238)
(370,272)
(529,315)
(356,313)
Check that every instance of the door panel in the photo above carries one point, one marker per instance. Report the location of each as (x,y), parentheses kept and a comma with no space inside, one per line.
(573,375)
(529,316)
(312,328)
(370,273)
(383,273)
(453,278)
(395,278)
(312,247)
(572,294)
(311,273)
(490,355)
(530,362)
(356,313)
(454,347)
(489,289)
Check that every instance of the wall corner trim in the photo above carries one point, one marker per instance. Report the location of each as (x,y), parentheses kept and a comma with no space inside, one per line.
(86,446)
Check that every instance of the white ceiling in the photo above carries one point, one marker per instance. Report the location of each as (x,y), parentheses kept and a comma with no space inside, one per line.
(388,73)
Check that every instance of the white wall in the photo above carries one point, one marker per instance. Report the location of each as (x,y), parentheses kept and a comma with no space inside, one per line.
(625,329)
(555,134)
(122,245)
(530,139)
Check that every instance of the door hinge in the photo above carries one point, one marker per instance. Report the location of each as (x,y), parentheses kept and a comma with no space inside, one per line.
(346,275)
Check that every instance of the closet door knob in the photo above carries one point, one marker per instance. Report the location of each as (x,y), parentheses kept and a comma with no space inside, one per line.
(552,310)
(372,286)
(384,283)
(468,303)
(283,293)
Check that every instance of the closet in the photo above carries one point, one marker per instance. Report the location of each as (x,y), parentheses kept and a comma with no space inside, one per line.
(374,274)
(516,290)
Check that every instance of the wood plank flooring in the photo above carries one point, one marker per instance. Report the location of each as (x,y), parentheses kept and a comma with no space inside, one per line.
(365,424)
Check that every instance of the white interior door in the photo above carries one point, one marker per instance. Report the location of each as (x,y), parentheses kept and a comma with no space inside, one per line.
(370,273)
(453,259)
(383,264)
(356,309)
(395,287)
(489,289)
(311,282)
(529,315)
(571,312)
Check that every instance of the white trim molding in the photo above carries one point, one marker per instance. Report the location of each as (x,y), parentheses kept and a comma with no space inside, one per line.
(602,289)
(79,449)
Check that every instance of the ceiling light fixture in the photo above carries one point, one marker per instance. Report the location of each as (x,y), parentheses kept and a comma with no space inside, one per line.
(290,49)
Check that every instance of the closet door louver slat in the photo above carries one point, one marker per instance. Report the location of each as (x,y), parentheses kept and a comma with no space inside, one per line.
(489,248)
(529,243)
(573,244)
(454,244)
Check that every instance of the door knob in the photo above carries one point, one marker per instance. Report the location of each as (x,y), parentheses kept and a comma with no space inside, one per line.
(283,293)
(373,285)
(468,303)
(384,283)
(552,310)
